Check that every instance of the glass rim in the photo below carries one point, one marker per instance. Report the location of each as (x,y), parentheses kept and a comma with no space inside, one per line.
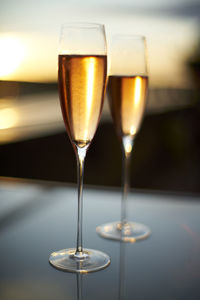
(129,35)
(80,25)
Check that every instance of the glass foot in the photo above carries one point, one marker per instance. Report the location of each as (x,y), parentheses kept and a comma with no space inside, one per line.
(88,261)
(130,232)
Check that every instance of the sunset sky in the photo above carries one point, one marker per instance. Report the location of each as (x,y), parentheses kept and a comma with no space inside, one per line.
(29,33)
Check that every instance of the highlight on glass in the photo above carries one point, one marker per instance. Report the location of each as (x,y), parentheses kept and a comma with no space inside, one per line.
(127,91)
(82,73)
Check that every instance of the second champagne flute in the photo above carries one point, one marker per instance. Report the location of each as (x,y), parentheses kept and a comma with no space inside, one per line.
(127,89)
(82,79)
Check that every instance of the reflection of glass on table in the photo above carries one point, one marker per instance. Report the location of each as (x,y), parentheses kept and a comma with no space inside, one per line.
(122,273)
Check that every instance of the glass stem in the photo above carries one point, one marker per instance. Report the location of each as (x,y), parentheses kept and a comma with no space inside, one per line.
(81,153)
(127,143)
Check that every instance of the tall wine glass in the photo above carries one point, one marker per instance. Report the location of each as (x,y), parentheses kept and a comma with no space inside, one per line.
(127,88)
(82,73)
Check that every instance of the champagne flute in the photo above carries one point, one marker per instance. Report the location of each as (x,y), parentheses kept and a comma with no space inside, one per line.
(82,73)
(127,88)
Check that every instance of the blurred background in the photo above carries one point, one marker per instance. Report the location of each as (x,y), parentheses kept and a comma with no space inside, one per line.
(33,142)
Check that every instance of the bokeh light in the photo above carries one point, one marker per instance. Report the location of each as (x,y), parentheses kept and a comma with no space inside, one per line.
(11,54)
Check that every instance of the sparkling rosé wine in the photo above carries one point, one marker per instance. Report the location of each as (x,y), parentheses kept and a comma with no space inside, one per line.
(127,99)
(82,81)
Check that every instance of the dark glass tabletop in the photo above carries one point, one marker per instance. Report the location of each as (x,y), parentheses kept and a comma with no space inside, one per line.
(37,218)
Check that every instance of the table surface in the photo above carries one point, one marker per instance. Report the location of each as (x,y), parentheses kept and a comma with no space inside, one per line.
(37,218)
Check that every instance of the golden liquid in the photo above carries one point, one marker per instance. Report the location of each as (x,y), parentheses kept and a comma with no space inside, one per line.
(127,98)
(82,80)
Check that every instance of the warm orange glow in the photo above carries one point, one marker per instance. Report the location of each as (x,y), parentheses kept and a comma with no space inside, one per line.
(133,130)
(137,96)
(137,91)
(91,65)
(11,54)
(128,146)
(90,88)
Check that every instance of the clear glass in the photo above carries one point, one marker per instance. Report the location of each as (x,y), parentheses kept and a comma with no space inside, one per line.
(127,89)
(82,74)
